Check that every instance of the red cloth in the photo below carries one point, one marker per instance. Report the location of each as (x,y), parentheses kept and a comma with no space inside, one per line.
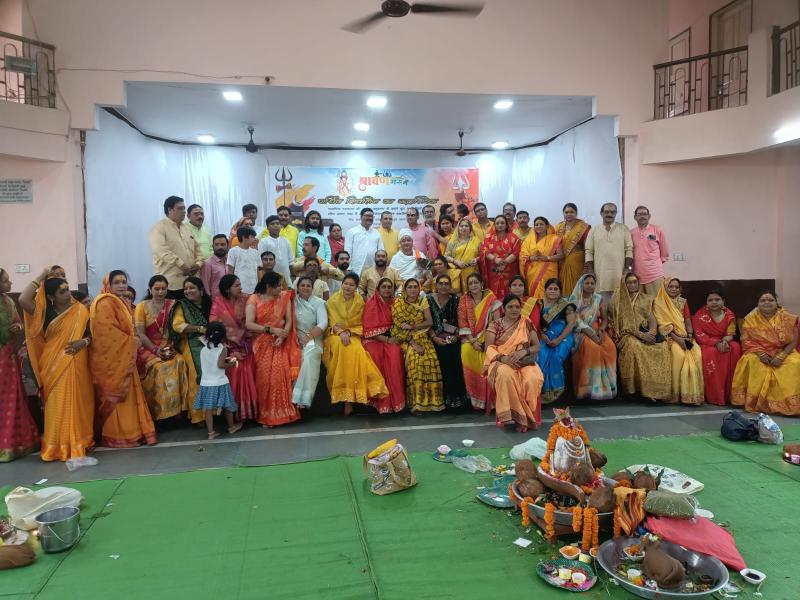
(700,535)
(387,357)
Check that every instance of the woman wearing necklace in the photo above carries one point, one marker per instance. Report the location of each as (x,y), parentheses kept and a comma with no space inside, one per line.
(57,336)
(539,256)
(462,254)
(500,257)
(714,330)
(594,356)
(311,319)
(531,309)
(573,233)
(188,319)
(767,377)
(558,321)
(122,411)
(511,369)
(163,373)
(444,335)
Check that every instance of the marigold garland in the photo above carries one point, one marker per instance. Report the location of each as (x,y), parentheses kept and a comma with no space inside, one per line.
(549,520)
(595,528)
(526,515)
(586,538)
(577,517)
(558,430)
(617,524)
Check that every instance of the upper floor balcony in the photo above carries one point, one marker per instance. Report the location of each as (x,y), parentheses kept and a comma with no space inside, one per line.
(27,71)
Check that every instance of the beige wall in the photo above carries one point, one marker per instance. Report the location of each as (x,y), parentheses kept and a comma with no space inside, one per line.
(788,190)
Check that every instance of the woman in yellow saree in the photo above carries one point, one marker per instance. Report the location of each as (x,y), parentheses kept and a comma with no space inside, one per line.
(511,370)
(767,376)
(675,324)
(411,321)
(476,309)
(56,332)
(122,412)
(462,255)
(352,376)
(644,359)
(573,232)
(539,256)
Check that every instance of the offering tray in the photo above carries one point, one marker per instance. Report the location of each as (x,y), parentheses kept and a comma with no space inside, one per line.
(611,554)
(561,517)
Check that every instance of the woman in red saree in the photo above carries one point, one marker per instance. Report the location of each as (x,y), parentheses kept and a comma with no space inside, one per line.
(229,308)
(385,350)
(269,315)
(335,238)
(539,257)
(122,411)
(499,258)
(714,329)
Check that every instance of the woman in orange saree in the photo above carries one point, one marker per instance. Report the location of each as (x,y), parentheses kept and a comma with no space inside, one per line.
(122,413)
(476,309)
(500,257)
(56,331)
(269,316)
(573,232)
(229,308)
(539,257)
(511,370)
(714,330)
(767,377)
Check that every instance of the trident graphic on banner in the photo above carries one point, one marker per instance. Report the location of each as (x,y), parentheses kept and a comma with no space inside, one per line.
(284,181)
(460,182)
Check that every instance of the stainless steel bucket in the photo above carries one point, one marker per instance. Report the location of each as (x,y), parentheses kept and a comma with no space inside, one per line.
(59,528)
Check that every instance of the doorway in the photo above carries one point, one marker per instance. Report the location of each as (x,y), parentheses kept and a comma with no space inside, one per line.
(729,28)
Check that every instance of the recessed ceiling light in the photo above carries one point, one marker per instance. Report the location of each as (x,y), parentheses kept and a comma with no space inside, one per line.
(503,104)
(376,101)
(232,96)
(499,145)
(358,144)
(361,126)
(205,139)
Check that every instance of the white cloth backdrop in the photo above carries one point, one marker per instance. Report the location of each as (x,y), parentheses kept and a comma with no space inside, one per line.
(128,177)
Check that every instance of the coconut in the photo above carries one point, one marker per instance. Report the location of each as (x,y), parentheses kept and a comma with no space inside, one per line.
(581,474)
(621,476)
(530,488)
(525,469)
(602,499)
(644,481)
(598,458)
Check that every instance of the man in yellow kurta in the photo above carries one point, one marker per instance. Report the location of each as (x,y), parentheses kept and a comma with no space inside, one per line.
(288,231)
(176,254)
(391,243)
(482,225)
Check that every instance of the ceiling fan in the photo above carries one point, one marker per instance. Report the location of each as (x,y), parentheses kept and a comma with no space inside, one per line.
(251,146)
(400,8)
(461,151)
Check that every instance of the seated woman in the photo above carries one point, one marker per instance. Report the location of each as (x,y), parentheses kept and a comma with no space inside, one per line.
(384,349)
(463,255)
(500,257)
(311,319)
(352,376)
(122,411)
(714,330)
(188,319)
(438,267)
(229,307)
(767,377)
(675,324)
(163,373)
(594,356)
(644,359)
(444,335)
(558,321)
(531,309)
(511,369)
(57,336)
(411,321)
(476,309)
(269,317)
(539,257)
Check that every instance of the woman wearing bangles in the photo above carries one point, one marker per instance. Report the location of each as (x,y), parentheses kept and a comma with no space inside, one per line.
(444,335)
(269,316)
(511,352)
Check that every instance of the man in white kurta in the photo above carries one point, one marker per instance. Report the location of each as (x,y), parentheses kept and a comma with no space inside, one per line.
(279,246)
(609,251)
(361,242)
(406,260)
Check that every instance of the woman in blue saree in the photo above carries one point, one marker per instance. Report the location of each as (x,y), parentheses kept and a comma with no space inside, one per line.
(558,322)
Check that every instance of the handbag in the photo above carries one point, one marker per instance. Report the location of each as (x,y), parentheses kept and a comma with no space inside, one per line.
(737,427)
(390,471)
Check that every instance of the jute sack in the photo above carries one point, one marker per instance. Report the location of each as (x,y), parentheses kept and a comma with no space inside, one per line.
(389,472)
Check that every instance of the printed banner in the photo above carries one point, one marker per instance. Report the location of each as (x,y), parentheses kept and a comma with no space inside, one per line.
(340,194)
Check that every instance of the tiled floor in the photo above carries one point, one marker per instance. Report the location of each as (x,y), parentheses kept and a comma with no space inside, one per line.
(185,448)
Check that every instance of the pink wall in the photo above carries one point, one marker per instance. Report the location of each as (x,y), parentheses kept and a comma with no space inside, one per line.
(788,190)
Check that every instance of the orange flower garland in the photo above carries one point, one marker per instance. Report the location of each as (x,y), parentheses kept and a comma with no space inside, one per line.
(587,529)
(526,515)
(549,520)
(577,516)
(595,528)
(617,524)
(556,431)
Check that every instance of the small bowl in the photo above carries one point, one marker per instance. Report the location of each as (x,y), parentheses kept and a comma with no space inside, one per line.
(634,574)
(634,557)
(565,574)
(585,558)
(752,576)
(593,552)
(569,552)
(578,578)
(468,443)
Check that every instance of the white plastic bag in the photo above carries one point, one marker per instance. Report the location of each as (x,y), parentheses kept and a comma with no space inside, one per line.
(24,504)
(535,447)
(81,461)
(470,464)
(768,430)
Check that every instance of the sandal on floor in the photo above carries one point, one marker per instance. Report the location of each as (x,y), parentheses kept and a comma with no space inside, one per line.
(213,435)
(236,427)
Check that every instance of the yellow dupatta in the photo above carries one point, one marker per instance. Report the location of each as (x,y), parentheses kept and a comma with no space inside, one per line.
(537,273)
(463,251)
(519,337)
(350,313)
(571,238)
(668,316)
(767,335)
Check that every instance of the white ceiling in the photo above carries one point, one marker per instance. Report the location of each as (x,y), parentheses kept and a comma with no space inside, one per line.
(313,117)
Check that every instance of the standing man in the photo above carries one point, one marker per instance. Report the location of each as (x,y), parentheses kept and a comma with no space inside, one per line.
(288,230)
(389,235)
(244,259)
(176,254)
(482,225)
(279,247)
(650,251)
(462,212)
(361,242)
(609,252)
(424,241)
(312,226)
(216,266)
(310,250)
(249,217)
(429,216)
(522,228)
(371,276)
(510,212)
(268,266)
(341,262)
(196,217)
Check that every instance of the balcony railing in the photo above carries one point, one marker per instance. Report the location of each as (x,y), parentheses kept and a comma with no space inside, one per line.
(785,57)
(27,71)
(700,83)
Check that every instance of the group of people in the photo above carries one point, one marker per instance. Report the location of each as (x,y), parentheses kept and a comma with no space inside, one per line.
(455,312)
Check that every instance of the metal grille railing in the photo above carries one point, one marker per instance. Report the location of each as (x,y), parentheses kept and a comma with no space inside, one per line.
(27,71)
(785,57)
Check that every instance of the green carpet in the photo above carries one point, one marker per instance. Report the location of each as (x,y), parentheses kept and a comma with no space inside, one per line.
(313,530)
